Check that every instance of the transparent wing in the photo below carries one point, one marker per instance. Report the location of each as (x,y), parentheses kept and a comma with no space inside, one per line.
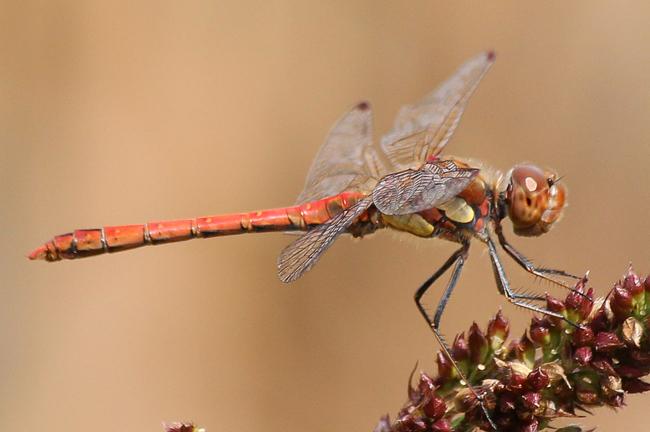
(297,258)
(412,191)
(347,160)
(422,130)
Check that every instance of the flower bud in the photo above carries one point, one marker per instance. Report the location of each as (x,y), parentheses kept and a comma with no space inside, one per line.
(511,351)
(460,353)
(574,299)
(583,355)
(607,342)
(646,283)
(424,390)
(602,363)
(478,345)
(621,302)
(435,408)
(526,351)
(600,322)
(531,399)
(587,304)
(419,424)
(627,371)
(384,424)
(445,366)
(557,306)
(460,350)
(583,336)
(517,381)
(632,282)
(426,385)
(635,385)
(539,331)
(538,379)
(411,424)
(497,331)
(442,425)
(554,305)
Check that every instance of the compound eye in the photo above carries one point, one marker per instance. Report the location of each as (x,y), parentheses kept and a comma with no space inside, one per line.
(527,196)
(530,179)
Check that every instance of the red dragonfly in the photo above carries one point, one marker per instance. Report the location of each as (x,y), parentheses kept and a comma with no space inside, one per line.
(404,184)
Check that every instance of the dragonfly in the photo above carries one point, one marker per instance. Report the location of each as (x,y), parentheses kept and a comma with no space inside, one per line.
(404,183)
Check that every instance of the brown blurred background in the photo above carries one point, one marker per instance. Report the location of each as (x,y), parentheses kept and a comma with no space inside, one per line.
(126,112)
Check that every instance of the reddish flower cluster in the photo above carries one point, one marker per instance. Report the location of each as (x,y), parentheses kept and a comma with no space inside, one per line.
(553,370)
(182,427)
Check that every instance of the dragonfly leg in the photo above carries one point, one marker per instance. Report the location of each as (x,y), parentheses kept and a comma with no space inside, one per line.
(517,299)
(534,297)
(526,264)
(457,259)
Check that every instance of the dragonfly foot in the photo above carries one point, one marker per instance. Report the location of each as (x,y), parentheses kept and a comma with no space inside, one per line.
(576,325)
(559,273)
(481,400)
(581,294)
(580,285)
(582,280)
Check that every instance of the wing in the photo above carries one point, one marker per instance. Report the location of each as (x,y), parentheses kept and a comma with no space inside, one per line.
(412,191)
(347,160)
(297,258)
(422,130)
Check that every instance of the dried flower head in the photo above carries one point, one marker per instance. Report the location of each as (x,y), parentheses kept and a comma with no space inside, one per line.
(554,370)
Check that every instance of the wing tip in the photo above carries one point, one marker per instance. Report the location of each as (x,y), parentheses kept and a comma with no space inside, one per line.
(283,274)
(363,106)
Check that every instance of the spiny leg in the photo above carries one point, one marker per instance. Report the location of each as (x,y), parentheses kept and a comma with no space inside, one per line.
(457,259)
(540,272)
(523,296)
(504,288)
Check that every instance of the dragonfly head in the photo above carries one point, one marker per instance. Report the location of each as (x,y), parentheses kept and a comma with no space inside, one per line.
(534,200)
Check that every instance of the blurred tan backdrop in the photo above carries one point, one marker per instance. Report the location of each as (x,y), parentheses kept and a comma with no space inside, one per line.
(126,112)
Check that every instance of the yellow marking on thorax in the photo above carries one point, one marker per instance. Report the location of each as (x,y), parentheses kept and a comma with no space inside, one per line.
(458,210)
(413,223)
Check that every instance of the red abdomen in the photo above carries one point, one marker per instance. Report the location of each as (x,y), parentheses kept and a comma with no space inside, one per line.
(90,242)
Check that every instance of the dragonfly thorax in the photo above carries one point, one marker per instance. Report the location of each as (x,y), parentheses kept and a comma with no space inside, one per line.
(533,199)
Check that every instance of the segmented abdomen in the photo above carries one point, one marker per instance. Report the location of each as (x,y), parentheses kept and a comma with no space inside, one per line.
(90,242)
